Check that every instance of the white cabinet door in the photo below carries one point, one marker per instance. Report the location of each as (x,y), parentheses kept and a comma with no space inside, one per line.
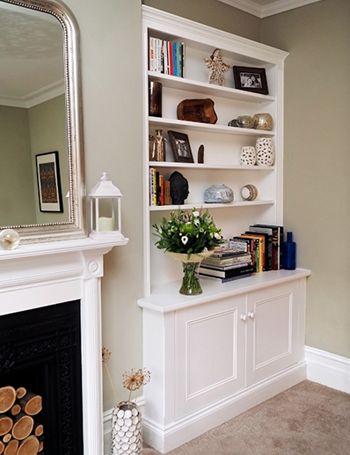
(274,320)
(209,353)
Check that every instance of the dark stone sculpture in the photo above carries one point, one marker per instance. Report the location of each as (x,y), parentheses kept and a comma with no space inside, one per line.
(178,188)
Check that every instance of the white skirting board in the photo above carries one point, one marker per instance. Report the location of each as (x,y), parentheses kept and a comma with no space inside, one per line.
(181,431)
(328,369)
(323,367)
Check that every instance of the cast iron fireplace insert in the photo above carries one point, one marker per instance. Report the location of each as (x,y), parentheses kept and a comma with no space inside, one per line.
(40,350)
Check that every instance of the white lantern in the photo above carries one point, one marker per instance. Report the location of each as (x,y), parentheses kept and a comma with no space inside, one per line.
(105,210)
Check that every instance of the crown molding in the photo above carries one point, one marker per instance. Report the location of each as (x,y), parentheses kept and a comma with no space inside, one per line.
(261,11)
(36,97)
(249,6)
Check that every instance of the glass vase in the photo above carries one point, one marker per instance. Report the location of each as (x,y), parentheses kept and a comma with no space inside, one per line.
(190,281)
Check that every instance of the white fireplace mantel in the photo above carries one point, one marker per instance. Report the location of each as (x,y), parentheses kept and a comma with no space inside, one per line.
(37,275)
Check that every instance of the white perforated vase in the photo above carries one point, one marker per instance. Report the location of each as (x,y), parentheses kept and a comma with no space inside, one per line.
(126,429)
(265,154)
(248,156)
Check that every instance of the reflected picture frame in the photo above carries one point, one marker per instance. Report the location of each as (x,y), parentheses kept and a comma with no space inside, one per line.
(181,147)
(49,182)
(250,79)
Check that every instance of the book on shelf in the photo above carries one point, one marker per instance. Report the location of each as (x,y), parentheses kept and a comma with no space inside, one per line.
(227,261)
(159,188)
(166,56)
(262,250)
(254,248)
(267,249)
(226,275)
(276,234)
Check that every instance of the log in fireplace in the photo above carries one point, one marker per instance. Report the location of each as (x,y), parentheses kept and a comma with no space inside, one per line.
(41,381)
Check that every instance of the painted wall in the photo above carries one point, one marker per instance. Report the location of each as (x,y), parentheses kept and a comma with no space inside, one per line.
(16,195)
(212,13)
(48,134)
(317,159)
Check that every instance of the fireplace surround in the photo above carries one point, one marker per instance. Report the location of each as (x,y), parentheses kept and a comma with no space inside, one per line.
(61,274)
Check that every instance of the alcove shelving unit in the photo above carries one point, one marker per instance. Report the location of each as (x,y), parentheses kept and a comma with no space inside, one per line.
(222,143)
(185,336)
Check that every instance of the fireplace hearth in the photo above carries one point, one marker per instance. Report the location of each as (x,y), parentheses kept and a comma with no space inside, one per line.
(40,350)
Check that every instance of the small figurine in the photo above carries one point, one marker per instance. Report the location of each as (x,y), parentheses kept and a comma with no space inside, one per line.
(200,157)
(217,67)
(178,188)
(157,147)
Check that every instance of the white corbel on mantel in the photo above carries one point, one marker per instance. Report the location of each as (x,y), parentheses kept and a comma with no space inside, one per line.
(37,275)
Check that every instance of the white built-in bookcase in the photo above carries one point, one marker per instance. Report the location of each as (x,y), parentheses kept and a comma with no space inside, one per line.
(222,143)
(214,355)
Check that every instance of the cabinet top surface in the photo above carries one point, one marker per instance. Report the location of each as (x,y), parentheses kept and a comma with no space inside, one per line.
(167,298)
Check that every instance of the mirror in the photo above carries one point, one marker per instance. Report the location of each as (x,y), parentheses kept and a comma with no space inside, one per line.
(41,176)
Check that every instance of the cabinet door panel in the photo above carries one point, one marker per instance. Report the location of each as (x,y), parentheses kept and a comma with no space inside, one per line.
(272,331)
(209,354)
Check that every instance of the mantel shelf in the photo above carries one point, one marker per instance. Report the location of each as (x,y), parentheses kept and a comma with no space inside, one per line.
(167,297)
(203,205)
(61,247)
(209,89)
(221,129)
(171,164)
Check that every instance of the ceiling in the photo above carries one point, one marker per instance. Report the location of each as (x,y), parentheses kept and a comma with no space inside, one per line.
(265,8)
(31,53)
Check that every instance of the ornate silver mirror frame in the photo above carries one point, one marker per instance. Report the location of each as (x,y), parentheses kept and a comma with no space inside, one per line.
(74,227)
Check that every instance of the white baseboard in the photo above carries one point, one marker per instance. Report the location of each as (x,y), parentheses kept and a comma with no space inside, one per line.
(328,369)
(177,433)
(107,425)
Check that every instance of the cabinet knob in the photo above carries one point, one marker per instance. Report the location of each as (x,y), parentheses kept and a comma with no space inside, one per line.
(243,317)
(251,315)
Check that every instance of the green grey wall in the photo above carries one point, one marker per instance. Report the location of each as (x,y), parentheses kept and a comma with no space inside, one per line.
(212,13)
(16,177)
(317,159)
(48,134)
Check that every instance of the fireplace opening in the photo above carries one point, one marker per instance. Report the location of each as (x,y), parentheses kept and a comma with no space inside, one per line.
(40,356)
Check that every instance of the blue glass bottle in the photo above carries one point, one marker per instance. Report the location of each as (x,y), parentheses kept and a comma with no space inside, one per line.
(289,253)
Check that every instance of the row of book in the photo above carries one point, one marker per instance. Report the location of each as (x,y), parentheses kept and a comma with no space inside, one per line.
(265,244)
(166,57)
(257,250)
(159,188)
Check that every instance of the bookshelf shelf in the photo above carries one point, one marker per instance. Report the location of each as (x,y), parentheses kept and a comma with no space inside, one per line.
(209,89)
(202,205)
(219,167)
(221,129)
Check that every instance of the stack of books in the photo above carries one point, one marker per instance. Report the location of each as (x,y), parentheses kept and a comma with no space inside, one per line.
(228,262)
(264,241)
(166,57)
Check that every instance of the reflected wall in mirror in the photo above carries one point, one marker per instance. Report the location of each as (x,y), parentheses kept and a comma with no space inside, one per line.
(39,114)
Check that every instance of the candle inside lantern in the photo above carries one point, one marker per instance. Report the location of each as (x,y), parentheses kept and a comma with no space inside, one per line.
(105,223)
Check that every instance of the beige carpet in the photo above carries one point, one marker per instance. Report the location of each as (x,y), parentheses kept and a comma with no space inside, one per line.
(308,419)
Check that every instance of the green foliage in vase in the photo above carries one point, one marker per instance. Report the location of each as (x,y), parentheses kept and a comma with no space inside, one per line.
(188,232)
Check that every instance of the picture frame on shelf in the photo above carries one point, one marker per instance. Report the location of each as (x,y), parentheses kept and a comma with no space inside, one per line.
(250,79)
(49,182)
(181,147)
